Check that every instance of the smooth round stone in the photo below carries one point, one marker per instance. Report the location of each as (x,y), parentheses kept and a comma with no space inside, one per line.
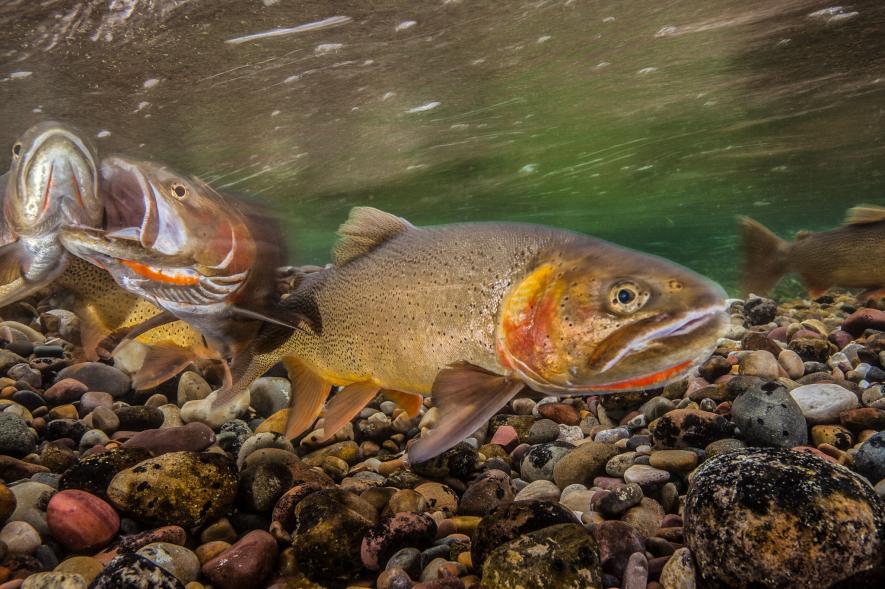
(792,363)
(85,566)
(646,476)
(617,541)
(689,427)
(767,415)
(406,500)
(248,562)
(439,497)
(98,377)
(192,437)
(7,503)
(617,501)
(583,464)
(491,490)
(540,460)
(674,460)
(542,431)
(66,390)
(610,436)
(542,490)
(55,580)
(619,464)
(778,518)
(679,571)
(178,560)
(92,399)
(260,441)
(191,387)
(834,435)
(269,394)
(870,458)
(20,538)
(31,499)
(406,559)
(578,501)
(81,521)
(822,403)
(760,363)
(104,419)
(16,438)
(204,412)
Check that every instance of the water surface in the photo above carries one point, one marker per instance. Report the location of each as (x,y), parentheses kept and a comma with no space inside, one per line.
(648,123)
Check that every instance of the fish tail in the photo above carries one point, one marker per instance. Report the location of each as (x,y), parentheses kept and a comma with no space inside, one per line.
(766,257)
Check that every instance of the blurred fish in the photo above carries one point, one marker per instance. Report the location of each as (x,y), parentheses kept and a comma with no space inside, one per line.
(471,313)
(204,259)
(51,182)
(847,256)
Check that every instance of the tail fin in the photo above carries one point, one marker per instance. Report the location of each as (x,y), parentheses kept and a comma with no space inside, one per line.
(765,257)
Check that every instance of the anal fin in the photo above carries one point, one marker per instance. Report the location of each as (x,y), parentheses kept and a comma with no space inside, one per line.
(466,396)
(408,402)
(309,393)
(345,404)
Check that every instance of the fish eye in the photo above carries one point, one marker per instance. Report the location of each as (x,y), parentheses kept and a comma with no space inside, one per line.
(179,190)
(627,296)
(16,150)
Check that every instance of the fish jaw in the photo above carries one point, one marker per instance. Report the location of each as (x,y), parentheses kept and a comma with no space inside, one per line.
(53,181)
(559,333)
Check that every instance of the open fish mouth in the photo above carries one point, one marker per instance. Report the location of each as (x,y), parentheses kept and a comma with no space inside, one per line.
(96,244)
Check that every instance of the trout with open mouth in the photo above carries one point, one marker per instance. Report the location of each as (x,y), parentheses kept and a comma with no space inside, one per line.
(203,258)
(472,313)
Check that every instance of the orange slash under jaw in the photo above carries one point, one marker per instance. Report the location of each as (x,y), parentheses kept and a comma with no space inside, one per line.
(148,272)
(647,380)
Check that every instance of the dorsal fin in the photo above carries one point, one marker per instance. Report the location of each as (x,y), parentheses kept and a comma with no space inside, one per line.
(803,234)
(365,229)
(864,214)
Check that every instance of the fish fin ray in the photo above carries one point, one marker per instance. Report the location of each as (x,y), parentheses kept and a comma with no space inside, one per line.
(309,394)
(162,362)
(345,404)
(365,229)
(294,320)
(864,215)
(465,396)
(408,402)
(145,326)
(766,257)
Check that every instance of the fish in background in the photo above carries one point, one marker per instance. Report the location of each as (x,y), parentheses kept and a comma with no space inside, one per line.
(51,181)
(203,258)
(848,256)
(472,313)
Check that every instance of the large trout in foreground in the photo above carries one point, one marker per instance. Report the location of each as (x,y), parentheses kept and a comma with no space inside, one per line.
(471,313)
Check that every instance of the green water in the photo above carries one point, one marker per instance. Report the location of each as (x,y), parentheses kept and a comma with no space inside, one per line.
(648,123)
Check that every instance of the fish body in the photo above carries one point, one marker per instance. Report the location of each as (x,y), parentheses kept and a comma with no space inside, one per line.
(51,182)
(472,312)
(839,257)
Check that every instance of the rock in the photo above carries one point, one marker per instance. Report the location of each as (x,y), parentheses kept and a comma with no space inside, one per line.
(582,464)
(20,538)
(791,363)
(767,415)
(761,364)
(178,560)
(679,572)
(834,435)
(674,460)
(773,517)
(514,520)
(16,438)
(98,377)
(689,427)
(543,430)
(636,573)
(713,368)
(183,488)
(507,437)
(215,417)
(759,311)
(394,532)
(822,403)
(168,534)
(439,497)
(617,541)
(93,473)
(811,349)
(191,387)
(193,437)
(538,491)
(870,458)
(540,460)
(564,556)
(94,399)
(7,502)
(330,525)
(646,476)
(269,394)
(615,502)
(81,521)
(55,580)
(457,462)
(863,418)
(560,413)
(66,390)
(247,563)
(85,566)
(492,490)
(864,319)
(645,517)
(133,571)
(104,419)
(31,499)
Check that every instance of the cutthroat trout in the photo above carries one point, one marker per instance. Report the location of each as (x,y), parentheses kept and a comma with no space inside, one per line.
(471,313)
(846,256)
(174,241)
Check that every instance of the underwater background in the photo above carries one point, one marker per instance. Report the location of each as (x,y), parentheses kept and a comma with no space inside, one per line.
(651,124)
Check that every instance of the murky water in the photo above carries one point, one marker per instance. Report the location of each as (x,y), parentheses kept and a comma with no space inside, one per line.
(648,123)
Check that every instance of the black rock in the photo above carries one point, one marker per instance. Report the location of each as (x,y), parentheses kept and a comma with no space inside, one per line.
(870,458)
(767,415)
(457,462)
(759,311)
(65,428)
(139,418)
(16,438)
(93,473)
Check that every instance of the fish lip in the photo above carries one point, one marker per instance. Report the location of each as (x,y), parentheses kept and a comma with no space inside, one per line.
(91,243)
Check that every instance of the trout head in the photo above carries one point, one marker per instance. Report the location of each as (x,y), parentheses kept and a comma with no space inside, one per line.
(51,182)
(594,317)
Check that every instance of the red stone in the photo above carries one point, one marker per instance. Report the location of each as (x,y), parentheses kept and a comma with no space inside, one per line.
(81,521)
(245,564)
(560,413)
(863,418)
(506,436)
(864,319)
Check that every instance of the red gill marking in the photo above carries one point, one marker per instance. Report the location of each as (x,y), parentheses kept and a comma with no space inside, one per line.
(48,186)
(148,272)
(644,381)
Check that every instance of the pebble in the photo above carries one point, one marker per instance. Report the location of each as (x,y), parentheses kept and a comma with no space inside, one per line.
(193,437)
(178,560)
(541,459)
(16,439)
(689,427)
(269,394)
(20,537)
(191,387)
(760,363)
(870,458)
(55,580)
(133,571)
(674,460)
(81,521)
(615,502)
(823,403)
(393,533)
(767,415)
(31,499)
(98,377)
(582,464)
(679,572)
(541,490)
(646,476)
(247,563)
(617,541)
(203,411)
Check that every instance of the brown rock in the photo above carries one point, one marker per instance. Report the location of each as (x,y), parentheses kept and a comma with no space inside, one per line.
(560,413)
(192,437)
(689,427)
(864,319)
(863,418)
(583,464)
(81,521)
(245,564)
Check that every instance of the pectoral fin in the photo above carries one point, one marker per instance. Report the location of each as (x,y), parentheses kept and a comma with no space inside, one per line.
(466,396)
(864,214)
(144,327)
(162,362)
(348,402)
(309,393)
(408,402)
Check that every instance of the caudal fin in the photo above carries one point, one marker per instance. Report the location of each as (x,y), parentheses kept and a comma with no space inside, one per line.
(765,257)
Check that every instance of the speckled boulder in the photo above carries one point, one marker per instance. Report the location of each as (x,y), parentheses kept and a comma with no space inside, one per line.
(689,427)
(767,415)
(777,518)
(564,556)
(133,571)
(183,488)
(93,473)
(514,520)
(457,462)
(394,532)
(541,459)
